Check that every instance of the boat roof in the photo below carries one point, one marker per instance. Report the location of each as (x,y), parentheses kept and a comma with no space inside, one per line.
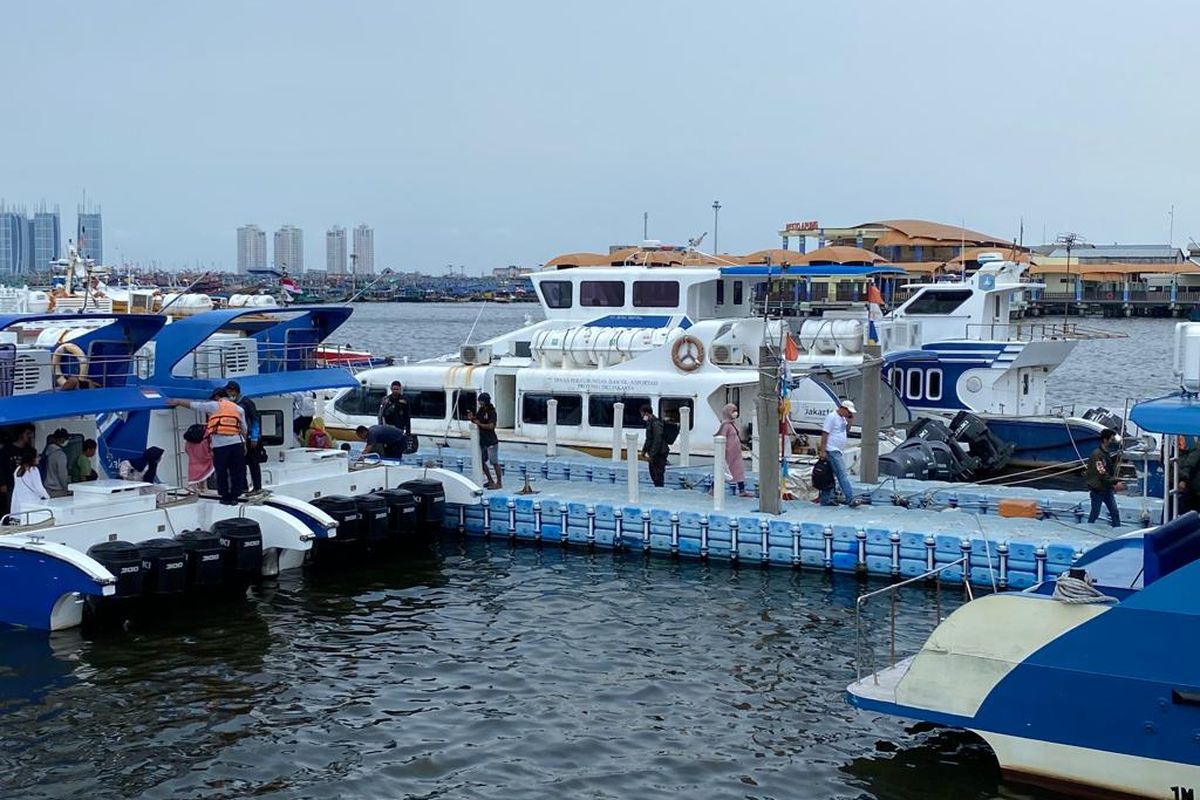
(811,270)
(1177,414)
(287,339)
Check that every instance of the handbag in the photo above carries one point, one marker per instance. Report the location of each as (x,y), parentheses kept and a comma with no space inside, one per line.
(822,475)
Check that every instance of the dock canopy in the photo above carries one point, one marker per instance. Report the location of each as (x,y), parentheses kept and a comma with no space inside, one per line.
(813,271)
(1176,414)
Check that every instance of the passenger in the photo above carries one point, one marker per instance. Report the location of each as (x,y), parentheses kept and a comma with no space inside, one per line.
(227,431)
(1188,466)
(733,448)
(84,468)
(1101,477)
(200,463)
(484,418)
(834,434)
(141,468)
(28,490)
(56,473)
(316,436)
(21,442)
(655,447)
(385,440)
(303,409)
(394,409)
(254,452)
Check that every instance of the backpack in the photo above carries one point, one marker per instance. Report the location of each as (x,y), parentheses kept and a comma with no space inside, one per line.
(670,432)
(319,439)
(195,433)
(822,475)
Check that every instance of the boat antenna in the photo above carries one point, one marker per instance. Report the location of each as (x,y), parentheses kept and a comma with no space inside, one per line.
(694,243)
(471,332)
(190,286)
(386,272)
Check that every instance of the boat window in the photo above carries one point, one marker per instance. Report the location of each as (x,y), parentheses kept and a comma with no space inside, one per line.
(600,410)
(1025,383)
(938,301)
(898,379)
(720,293)
(556,294)
(464,403)
(607,294)
(737,293)
(933,384)
(914,384)
(362,401)
(424,405)
(271,428)
(668,409)
(655,294)
(534,408)
(522,349)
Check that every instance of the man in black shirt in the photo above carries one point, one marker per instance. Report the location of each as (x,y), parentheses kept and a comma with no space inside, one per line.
(484,418)
(394,409)
(254,454)
(385,440)
(10,459)
(655,448)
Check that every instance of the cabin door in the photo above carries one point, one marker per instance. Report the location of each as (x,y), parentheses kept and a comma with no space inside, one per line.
(504,397)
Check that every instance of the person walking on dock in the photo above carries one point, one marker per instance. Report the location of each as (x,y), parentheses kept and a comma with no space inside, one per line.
(656,448)
(227,432)
(484,418)
(733,448)
(834,435)
(1101,478)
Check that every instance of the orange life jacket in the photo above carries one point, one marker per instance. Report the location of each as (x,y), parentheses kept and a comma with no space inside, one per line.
(225,421)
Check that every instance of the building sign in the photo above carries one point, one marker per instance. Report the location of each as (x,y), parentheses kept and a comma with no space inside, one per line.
(801,227)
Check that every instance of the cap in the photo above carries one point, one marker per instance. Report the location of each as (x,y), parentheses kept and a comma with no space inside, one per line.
(484,397)
(849,406)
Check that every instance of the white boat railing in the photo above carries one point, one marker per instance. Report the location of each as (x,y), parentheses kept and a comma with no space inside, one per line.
(864,651)
(1025,331)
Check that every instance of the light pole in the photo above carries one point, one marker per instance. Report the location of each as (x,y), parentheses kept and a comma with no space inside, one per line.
(1069,240)
(716,207)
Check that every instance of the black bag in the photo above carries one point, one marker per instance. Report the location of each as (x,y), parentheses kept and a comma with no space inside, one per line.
(670,432)
(195,433)
(822,475)
(411,443)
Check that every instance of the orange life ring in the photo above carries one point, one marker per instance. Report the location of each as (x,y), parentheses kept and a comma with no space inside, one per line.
(687,353)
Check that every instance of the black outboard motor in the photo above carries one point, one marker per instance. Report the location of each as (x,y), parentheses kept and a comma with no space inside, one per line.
(373,518)
(124,561)
(1103,416)
(431,502)
(991,452)
(241,539)
(164,568)
(402,513)
(345,513)
(205,559)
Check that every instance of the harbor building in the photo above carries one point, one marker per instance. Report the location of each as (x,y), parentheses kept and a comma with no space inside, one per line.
(364,250)
(335,250)
(15,244)
(289,249)
(89,234)
(898,241)
(252,248)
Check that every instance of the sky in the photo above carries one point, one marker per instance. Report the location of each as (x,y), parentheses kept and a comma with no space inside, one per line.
(480,134)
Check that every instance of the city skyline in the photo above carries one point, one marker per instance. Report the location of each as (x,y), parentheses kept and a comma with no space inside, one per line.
(251,248)
(335,250)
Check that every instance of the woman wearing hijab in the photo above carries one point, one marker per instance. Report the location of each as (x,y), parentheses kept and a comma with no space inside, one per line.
(28,491)
(317,436)
(200,463)
(142,468)
(733,448)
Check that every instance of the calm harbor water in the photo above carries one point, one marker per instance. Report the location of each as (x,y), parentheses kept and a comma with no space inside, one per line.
(482,671)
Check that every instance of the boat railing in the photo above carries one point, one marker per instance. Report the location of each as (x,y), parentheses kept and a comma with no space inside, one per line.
(1025,331)
(31,520)
(70,372)
(229,359)
(864,650)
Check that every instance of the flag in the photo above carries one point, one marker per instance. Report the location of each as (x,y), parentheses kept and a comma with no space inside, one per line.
(790,351)
(289,285)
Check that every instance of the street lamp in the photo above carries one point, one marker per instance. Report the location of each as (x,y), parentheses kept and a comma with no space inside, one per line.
(1069,240)
(716,207)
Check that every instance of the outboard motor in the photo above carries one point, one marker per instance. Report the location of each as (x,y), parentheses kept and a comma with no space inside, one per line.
(345,513)
(205,559)
(1103,416)
(912,459)
(402,513)
(373,518)
(431,502)
(991,452)
(164,567)
(124,561)
(241,539)
(947,462)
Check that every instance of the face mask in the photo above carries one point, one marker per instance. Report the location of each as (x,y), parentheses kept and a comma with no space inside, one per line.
(736,415)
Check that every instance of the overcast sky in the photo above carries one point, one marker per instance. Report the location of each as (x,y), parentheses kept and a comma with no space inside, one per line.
(489,133)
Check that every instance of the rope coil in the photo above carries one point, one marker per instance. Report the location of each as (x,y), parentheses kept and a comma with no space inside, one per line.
(1078,591)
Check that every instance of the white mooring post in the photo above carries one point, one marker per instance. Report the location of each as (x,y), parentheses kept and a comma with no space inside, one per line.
(685,436)
(618,426)
(551,428)
(476,457)
(718,473)
(631,462)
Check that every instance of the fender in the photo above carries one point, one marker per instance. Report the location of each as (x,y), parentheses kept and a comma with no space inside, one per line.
(41,583)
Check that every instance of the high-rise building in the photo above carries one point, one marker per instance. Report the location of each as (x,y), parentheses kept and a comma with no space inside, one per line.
(335,250)
(47,238)
(89,235)
(14,242)
(289,249)
(252,248)
(364,250)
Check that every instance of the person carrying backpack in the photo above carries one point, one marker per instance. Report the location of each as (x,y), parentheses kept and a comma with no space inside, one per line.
(655,448)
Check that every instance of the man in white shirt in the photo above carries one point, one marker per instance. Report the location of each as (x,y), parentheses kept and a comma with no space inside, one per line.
(833,441)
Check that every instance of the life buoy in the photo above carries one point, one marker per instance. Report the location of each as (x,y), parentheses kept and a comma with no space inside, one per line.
(1109,296)
(73,350)
(687,353)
